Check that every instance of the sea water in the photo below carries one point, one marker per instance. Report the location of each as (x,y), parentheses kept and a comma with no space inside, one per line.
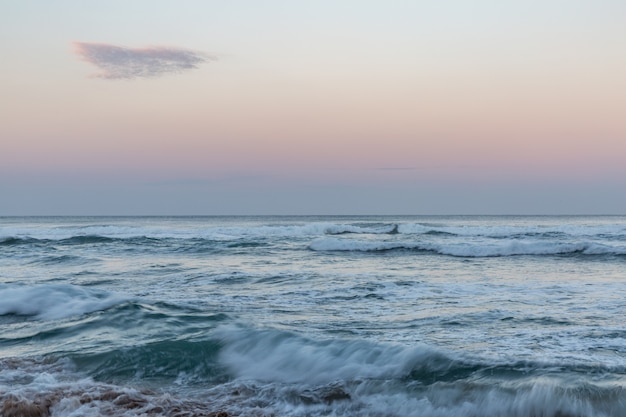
(313,316)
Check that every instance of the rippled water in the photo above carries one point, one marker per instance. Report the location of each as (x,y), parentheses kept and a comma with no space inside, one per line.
(304,316)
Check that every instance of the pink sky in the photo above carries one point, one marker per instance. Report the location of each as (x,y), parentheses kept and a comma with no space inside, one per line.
(379,100)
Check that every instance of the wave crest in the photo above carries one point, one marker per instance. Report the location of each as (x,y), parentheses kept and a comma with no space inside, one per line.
(56,301)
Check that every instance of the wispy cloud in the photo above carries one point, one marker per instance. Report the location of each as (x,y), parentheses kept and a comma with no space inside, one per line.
(119,62)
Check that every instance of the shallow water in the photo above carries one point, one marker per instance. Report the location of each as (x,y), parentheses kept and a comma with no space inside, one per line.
(306,316)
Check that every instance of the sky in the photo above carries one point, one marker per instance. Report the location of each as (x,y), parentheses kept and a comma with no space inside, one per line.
(207,107)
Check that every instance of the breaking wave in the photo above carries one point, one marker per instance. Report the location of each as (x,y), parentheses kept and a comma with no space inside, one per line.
(268,372)
(235,370)
(54,301)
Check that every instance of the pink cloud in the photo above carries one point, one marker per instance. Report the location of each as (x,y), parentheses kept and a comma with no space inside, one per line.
(119,62)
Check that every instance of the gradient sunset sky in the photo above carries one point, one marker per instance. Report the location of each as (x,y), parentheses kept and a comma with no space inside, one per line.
(312,107)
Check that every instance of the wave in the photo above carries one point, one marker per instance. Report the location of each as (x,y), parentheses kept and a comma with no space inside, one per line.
(54,301)
(165,360)
(101,233)
(145,232)
(279,356)
(366,378)
(86,239)
(375,229)
(132,243)
(200,240)
(224,351)
(106,332)
(63,259)
(71,240)
(14,241)
(470,250)
(51,394)
(263,372)
(294,230)
(272,355)
(47,387)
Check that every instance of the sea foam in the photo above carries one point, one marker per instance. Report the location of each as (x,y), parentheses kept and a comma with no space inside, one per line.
(55,301)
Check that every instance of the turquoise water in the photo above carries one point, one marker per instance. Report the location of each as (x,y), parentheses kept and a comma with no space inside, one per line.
(307,316)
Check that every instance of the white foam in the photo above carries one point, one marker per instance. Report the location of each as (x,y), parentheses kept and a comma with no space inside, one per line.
(462,400)
(52,302)
(57,390)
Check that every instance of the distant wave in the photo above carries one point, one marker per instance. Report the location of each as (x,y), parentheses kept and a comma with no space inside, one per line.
(86,239)
(197,240)
(457,240)
(468,246)
(500,231)
(348,229)
(70,240)
(105,233)
(13,240)
(62,259)
(474,250)
(98,234)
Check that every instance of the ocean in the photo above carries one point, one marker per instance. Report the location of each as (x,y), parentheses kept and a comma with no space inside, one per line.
(430,316)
